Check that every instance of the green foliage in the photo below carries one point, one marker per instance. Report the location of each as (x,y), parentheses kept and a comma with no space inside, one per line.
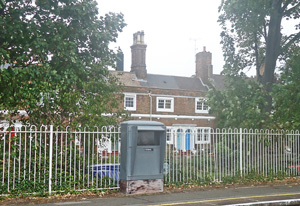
(54,58)
(287,94)
(243,23)
(253,37)
(248,28)
(239,106)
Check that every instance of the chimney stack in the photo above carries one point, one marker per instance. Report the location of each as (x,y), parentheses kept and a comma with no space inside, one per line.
(138,52)
(204,68)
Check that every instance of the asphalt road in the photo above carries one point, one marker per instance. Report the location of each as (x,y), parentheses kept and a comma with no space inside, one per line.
(258,195)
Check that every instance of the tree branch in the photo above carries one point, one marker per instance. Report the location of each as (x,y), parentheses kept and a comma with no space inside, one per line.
(287,43)
(285,5)
(290,10)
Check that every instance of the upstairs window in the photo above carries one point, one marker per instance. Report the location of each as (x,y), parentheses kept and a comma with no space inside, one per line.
(164,104)
(201,105)
(130,102)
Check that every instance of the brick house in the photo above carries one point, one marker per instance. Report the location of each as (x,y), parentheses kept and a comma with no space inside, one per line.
(178,102)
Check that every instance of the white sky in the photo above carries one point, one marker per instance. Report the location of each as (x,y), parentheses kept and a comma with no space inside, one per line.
(173,30)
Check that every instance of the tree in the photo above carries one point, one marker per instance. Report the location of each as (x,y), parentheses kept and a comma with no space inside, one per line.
(287,93)
(54,57)
(237,105)
(252,36)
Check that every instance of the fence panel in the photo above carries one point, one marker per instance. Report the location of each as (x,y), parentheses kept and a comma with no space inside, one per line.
(202,154)
(48,159)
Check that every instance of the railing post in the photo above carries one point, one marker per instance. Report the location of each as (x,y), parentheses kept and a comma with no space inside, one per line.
(50,158)
(241,151)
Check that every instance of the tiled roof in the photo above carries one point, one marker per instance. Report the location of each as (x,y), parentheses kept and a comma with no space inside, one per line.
(218,81)
(161,81)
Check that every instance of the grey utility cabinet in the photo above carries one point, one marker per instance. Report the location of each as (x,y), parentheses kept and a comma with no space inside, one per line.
(143,146)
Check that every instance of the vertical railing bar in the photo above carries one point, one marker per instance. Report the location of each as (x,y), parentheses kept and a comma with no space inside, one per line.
(74,132)
(89,145)
(109,156)
(29,161)
(35,155)
(79,160)
(198,153)
(97,177)
(297,148)
(174,156)
(210,153)
(207,157)
(50,158)
(232,172)
(180,137)
(61,155)
(45,154)
(93,153)
(3,163)
(14,176)
(193,174)
(83,164)
(8,162)
(241,150)
(56,154)
(259,153)
(40,154)
(252,150)
(276,153)
(75,159)
(25,155)
(176,162)
(113,153)
(20,152)
(220,155)
(282,153)
(182,155)
(66,153)
(70,165)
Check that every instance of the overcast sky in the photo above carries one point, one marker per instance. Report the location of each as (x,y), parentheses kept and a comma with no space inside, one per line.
(174,31)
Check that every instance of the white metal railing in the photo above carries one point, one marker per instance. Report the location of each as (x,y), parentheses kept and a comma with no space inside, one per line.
(229,152)
(54,159)
(58,160)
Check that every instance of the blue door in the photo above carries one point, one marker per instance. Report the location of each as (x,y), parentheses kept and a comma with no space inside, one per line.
(188,139)
(179,139)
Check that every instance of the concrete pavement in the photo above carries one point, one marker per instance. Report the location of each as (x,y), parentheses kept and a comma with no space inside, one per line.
(255,195)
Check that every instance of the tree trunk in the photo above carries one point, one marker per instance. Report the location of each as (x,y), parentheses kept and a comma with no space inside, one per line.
(272,50)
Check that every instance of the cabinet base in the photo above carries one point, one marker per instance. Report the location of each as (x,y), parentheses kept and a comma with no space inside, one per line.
(141,186)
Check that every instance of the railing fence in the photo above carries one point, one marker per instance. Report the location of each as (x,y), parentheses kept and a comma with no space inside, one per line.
(199,154)
(48,159)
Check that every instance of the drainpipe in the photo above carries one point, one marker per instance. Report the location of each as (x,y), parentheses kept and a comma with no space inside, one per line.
(150,100)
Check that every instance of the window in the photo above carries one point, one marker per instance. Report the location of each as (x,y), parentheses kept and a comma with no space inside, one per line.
(201,105)
(164,104)
(203,135)
(169,136)
(130,102)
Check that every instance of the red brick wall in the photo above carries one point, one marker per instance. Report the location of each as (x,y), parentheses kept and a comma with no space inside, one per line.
(184,104)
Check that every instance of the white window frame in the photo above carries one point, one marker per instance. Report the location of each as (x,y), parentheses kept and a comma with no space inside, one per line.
(203,111)
(164,109)
(200,135)
(130,95)
(169,136)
